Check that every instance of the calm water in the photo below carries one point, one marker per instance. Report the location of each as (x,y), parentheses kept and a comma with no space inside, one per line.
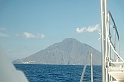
(58,73)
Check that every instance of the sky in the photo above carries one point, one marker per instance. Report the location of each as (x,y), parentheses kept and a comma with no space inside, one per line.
(28,26)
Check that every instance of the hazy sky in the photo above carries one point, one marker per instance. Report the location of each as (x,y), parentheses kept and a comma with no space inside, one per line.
(28,26)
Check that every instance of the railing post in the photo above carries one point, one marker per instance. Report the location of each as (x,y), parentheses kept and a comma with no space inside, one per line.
(91,60)
(103,40)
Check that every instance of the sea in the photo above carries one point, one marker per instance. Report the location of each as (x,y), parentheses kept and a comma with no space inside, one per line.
(59,73)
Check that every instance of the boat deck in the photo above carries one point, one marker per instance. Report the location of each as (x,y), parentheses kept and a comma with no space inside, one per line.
(116,70)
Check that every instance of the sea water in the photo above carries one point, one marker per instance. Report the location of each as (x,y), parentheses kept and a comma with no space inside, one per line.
(59,73)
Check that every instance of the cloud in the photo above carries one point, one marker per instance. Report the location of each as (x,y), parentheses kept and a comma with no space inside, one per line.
(88,29)
(29,35)
(3,29)
(40,36)
(4,35)
(17,35)
(80,30)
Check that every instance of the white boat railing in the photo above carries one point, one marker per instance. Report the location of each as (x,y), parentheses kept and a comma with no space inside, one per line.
(112,63)
(84,69)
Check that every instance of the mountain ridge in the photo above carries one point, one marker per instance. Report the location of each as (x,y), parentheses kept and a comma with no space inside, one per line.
(68,52)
